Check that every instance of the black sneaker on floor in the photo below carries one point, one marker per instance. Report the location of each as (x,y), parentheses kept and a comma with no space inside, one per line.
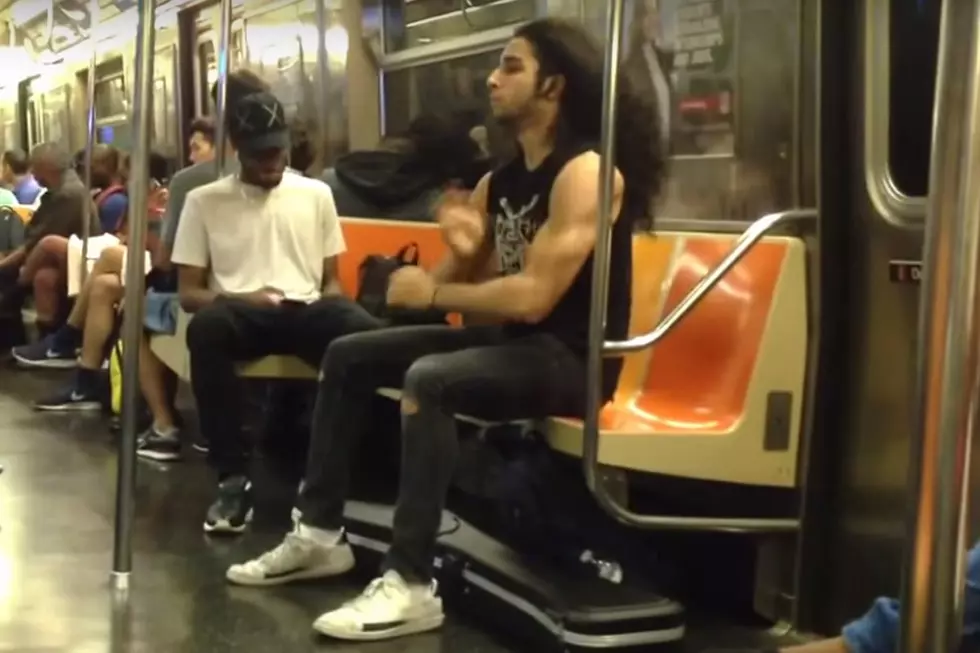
(157,446)
(71,398)
(232,511)
(47,353)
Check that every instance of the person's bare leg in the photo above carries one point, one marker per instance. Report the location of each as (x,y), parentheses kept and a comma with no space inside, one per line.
(109,262)
(51,251)
(48,297)
(154,387)
(100,318)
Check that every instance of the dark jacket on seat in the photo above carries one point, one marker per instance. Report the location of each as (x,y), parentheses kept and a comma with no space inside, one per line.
(387,184)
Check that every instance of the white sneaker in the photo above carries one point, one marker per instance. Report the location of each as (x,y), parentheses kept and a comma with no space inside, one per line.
(297,558)
(389,607)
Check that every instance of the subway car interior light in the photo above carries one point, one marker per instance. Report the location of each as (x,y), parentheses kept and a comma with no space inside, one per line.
(489,325)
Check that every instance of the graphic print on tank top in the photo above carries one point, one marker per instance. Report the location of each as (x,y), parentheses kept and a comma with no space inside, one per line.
(514,229)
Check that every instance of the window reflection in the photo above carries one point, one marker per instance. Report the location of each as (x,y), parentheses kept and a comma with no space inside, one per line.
(110,97)
(722,74)
(458,85)
(208,63)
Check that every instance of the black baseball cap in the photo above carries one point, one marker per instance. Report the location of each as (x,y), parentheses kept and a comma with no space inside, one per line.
(257,122)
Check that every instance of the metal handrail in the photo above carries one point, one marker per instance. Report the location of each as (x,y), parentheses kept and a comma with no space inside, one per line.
(598,348)
(132,329)
(948,359)
(222,60)
(749,238)
(90,121)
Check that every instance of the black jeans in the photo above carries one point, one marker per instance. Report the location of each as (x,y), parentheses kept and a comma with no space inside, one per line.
(231,331)
(12,294)
(442,371)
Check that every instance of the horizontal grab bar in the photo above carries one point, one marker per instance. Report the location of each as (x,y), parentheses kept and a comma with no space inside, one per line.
(745,243)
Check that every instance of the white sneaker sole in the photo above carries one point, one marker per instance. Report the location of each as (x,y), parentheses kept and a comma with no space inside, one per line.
(158,456)
(341,563)
(411,627)
(223,527)
(71,407)
(47,363)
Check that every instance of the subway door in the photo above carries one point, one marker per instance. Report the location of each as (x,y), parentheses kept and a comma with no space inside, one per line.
(887,170)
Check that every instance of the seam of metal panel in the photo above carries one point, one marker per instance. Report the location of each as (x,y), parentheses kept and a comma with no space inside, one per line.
(454,48)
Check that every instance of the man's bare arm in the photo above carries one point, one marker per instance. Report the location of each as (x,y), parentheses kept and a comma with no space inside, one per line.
(553,260)
(331,278)
(454,268)
(192,288)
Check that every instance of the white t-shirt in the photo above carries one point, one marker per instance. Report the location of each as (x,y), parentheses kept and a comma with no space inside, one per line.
(250,238)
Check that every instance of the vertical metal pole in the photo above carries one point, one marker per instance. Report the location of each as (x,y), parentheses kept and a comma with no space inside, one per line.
(89,139)
(949,347)
(139,182)
(323,81)
(600,262)
(223,61)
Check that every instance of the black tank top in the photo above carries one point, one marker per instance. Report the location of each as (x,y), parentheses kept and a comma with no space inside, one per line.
(517,206)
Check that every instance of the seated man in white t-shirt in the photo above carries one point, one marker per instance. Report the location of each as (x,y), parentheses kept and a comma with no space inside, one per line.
(257,256)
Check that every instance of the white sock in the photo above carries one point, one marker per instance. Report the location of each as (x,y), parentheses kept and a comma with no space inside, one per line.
(320,536)
(165,431)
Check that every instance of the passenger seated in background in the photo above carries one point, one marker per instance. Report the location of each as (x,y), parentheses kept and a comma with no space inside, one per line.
(109,171)
(536,219)
(877,630)
(16,175)
(404,178)
(302,153)
(91,323)
(60,213)
(201,143)
(45,270)
(257,256)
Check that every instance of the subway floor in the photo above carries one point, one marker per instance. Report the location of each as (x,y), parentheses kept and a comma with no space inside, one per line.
(56,536)
(57,510)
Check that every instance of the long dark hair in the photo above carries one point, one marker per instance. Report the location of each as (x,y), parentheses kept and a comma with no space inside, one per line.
(564,48)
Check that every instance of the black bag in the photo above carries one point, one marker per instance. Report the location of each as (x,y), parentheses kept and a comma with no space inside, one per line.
(11,230)
(373,275)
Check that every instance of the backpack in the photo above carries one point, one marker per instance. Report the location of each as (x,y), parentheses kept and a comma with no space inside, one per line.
(372,288)
(11,230)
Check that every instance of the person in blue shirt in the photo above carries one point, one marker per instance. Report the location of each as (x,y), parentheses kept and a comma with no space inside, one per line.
(109,186)
(877,630)
(16,175)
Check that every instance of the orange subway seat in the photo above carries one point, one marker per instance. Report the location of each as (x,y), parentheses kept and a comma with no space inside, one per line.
(696,379)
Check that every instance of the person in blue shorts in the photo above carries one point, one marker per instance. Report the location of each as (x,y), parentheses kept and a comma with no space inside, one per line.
(877,630)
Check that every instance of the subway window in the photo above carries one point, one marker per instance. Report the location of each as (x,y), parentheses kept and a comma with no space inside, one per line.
(455,84)
(722,76)
(912,86)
